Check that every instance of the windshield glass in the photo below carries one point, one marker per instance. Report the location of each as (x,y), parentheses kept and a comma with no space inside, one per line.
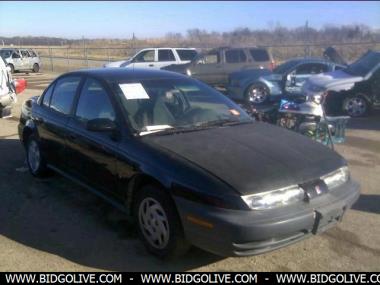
(5,53)
(160,104)
(285,67)
(364,65)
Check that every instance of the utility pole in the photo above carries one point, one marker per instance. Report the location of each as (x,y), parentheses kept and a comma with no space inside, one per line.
(306,39)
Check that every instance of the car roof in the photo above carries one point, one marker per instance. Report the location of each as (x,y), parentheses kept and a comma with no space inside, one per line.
(311,59)
(119,74)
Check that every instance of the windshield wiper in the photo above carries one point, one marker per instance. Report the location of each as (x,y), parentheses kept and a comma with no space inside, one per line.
(222,123)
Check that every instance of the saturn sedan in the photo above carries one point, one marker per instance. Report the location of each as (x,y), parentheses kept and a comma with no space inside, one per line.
(187,163)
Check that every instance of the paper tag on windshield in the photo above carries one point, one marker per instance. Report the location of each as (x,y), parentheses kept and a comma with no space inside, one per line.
(134,91)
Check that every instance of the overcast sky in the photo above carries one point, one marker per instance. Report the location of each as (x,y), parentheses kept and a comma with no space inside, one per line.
(155,19)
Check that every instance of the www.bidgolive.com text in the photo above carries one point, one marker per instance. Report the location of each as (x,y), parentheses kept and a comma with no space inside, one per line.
(187,278)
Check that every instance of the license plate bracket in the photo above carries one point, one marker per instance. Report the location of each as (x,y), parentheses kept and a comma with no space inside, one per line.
(325,219)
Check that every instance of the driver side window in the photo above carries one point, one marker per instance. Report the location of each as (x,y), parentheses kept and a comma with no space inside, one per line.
(210,58)
(16,55)
(94,103)
(145,56)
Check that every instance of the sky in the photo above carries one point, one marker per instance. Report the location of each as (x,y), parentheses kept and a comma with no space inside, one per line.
(102,19)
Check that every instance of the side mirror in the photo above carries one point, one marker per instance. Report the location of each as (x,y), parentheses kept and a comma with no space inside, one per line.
(101,125)
(20,85)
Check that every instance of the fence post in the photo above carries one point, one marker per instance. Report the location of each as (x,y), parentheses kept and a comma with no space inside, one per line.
(87,57)
(68,60)
(108,55)
(51,59)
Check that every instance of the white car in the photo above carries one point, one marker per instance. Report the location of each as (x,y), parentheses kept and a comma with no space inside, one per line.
(157,58)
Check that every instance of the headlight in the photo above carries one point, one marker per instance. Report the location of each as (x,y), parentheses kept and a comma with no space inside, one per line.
(188,72)
(274,199)
(337,177)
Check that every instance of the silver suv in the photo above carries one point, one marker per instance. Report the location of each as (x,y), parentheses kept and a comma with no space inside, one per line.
(21,59)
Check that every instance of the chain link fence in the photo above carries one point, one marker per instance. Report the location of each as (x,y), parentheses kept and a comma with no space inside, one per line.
(61,59)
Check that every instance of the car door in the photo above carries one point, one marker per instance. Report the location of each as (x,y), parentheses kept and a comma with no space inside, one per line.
(165,57)
(26,59)
(145,59)
(236,59)
(52,118)
(92,154)
(17,60)
(208,68)
(297,77)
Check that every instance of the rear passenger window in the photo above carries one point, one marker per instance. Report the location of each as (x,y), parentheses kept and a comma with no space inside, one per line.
(165,55)
(311,68)
(32,53)
(259,54)
(94,103)
(64,93)
(235,55)
(47,96)
(24,53)
(186,54)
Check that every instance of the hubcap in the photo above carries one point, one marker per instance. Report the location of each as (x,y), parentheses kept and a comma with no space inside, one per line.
(154,223)
(356,107)
(34,156)
(257,94)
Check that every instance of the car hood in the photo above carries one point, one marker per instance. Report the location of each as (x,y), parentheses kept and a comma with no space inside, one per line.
(181,68)
(336,80)
(252,158)
(114,63)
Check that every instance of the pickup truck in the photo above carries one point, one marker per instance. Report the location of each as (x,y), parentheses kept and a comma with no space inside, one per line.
(157,58)
(214,66)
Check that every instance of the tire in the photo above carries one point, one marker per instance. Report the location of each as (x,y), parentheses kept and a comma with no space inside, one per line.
(163,237)
(36,163)
(355,106)
(257,93)
(12,68)
(36,68)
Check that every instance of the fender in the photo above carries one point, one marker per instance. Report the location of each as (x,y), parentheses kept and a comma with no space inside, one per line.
(28,129)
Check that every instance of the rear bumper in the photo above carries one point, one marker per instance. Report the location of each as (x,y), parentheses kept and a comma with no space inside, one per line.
(243,233)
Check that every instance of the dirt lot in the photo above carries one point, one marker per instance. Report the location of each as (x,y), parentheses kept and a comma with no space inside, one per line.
(54,225)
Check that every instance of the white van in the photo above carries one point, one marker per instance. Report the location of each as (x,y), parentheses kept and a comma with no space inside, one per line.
(157,58)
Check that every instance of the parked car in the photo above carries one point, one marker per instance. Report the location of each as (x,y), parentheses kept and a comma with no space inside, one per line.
(21,59)
(213,67)
(190,165)
(263,86)
(157,58)
(9,89)
(353,91)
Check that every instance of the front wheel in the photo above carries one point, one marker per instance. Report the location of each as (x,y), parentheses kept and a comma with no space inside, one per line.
(36,68)
(159,225)
(355,106)
(11,66)
(257,93)
(36,164)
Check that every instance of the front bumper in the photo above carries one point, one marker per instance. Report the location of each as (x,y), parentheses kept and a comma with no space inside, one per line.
(243,233)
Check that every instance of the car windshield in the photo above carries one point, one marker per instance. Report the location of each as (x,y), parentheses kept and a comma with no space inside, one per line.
(5,53)
(364,65)
(285,67)
(156,105)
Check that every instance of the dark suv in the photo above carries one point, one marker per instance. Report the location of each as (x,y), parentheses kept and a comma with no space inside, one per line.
(213,67)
